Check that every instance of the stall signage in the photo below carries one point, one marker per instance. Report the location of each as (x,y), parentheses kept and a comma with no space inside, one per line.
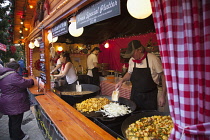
(42,58)
(41,45)
(60,29)
(99,11)
(43,77)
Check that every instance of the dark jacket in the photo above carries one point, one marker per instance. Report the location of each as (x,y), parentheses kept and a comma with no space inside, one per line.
(22,66)
(14,96)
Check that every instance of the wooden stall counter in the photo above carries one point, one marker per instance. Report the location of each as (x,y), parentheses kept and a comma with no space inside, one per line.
(70,123)
(38,87)
(58,120)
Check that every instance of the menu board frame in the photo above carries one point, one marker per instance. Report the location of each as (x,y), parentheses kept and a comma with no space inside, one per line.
(60,29)
(99,11)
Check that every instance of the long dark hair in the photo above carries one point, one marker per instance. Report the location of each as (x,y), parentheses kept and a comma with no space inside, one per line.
(67,55)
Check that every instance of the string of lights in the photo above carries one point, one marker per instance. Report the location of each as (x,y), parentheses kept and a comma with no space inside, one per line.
(50,15)
(23,17)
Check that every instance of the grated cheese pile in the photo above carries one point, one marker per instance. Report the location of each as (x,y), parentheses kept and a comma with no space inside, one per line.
(115,109)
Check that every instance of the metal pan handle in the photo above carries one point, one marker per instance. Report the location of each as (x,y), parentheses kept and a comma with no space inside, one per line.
(106,119)
(142,111)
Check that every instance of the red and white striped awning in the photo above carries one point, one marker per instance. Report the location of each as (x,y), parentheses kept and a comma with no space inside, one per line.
(3,47)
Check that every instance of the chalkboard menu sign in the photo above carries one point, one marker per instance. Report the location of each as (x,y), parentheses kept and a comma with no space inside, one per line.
(43,77)
(41,45)
(60,29)
(42,62)
(99,11)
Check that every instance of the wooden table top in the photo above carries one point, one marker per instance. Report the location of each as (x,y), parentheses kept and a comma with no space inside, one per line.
(70,123)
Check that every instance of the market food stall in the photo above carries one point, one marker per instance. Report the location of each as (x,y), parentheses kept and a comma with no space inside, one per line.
(182,84)
(56,117)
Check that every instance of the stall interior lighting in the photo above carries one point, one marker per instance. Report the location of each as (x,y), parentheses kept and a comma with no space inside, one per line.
(106,45)
(31,6)
(60,48)
(139,9)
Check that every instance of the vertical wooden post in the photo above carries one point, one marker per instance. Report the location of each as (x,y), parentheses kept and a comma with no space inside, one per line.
(47,59)
(27,55)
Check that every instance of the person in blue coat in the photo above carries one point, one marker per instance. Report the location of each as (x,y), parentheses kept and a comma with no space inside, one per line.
(21,62)
(14,98)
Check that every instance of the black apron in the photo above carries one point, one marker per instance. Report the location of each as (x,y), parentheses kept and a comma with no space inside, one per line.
(95,79)
(144,89)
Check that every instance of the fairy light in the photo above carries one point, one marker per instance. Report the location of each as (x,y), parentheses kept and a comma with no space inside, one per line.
(31,6)
(106,45)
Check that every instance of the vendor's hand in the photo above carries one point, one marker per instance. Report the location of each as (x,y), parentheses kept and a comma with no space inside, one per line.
(118,85)
(161,101)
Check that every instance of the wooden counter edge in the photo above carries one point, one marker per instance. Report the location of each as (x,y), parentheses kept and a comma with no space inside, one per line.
(34,90)
(91,128)
(68,128)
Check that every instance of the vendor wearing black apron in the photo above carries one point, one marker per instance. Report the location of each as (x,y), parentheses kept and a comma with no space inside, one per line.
(92,61)
(144,90)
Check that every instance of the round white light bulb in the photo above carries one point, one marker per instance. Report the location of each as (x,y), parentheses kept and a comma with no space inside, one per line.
(51,39)
(31,45)
(74,31)
(36,43)
(106,45)
(60,48)
(139,9)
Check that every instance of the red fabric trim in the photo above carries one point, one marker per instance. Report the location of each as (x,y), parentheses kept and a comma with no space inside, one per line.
(63,66)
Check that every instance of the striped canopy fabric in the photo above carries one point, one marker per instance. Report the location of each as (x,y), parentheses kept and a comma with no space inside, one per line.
(183,33)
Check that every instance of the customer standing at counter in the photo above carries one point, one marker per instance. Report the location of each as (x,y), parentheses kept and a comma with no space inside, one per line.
(92,62)
(14,100)
(144,72)
(67,69)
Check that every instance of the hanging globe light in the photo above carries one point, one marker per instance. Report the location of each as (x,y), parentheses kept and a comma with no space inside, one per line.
(36,43)
(60,48)
(50,38)
(106,45)
(139,9)
(74,31)
(31,45)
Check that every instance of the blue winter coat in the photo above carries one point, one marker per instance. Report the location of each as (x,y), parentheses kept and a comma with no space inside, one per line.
(14,96)
(22,66)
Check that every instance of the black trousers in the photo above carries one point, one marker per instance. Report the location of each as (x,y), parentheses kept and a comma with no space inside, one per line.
(15,130)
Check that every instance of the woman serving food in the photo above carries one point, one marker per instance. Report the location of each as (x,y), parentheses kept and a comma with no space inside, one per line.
(67,69)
